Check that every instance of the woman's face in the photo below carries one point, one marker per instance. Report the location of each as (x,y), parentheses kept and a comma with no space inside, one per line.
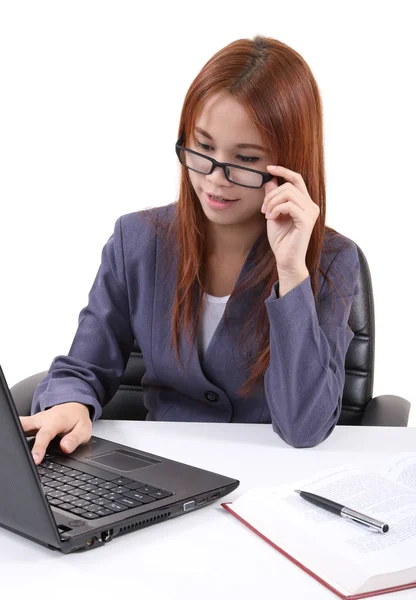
(221,128)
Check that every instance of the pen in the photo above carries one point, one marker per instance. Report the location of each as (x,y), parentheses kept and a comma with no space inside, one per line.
(346,513)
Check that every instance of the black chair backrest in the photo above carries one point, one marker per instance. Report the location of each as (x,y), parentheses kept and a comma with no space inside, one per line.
(127,403)
(359,360)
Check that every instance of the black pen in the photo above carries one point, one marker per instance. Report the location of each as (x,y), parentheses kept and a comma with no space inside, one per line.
(346,513)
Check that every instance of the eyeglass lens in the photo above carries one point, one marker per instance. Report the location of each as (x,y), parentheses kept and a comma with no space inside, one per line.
(236,175)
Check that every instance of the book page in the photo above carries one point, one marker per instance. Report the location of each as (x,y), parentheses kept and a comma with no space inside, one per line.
(402,469)
(325,542)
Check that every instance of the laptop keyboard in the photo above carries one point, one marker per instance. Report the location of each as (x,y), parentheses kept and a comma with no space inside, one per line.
(92,497)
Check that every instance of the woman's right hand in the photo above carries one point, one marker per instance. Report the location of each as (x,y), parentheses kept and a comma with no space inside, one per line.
(71,420)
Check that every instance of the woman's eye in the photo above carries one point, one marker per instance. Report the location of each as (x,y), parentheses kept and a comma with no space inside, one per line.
(248,159)
(244,159)
(203,146)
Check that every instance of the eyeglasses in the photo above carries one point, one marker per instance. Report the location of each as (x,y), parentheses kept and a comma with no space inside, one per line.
(204,164)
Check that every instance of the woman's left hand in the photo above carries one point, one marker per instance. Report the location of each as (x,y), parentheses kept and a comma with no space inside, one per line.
(291,215)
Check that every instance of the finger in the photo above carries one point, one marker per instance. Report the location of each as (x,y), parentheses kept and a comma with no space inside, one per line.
(288,208)
(29,425)
(271,186)
(283,195)
(294,178)
(80,434)
(271,193)
(43,438)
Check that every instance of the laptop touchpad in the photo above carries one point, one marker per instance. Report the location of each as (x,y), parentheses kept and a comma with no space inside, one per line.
(123,460)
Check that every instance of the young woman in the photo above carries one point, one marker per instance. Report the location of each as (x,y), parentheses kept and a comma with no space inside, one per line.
(237,294)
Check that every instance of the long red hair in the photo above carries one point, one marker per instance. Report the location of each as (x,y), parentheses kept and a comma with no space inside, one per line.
(277,88)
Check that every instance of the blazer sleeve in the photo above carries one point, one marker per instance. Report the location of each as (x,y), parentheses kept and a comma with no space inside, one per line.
(91,371)
(305,378)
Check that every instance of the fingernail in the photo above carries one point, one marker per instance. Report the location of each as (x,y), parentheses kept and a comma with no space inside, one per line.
(262,209)
(36,458)
(267,215)
(68,445)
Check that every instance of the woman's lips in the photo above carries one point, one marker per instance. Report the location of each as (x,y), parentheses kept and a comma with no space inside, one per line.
(217,204)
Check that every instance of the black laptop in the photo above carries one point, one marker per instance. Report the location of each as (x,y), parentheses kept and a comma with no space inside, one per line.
(97,493)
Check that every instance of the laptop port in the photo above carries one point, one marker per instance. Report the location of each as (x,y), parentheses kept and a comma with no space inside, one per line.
(201,501)
(215,496)
(90,542)
(106,535)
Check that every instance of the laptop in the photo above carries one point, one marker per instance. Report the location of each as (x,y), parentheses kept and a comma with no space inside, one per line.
(99,492)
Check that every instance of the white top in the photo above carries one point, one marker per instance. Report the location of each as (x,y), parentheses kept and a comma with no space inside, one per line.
(211,314)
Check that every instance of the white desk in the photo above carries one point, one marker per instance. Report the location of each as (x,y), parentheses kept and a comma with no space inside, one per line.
(206,554)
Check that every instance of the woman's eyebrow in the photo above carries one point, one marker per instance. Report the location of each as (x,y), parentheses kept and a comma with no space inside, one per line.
(207,135)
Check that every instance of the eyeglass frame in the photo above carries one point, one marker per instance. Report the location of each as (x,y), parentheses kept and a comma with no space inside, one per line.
(265,176)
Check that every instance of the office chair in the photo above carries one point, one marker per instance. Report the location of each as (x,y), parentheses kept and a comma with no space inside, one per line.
(358,405)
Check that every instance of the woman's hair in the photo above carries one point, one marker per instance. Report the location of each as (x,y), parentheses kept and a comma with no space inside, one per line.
(280,94)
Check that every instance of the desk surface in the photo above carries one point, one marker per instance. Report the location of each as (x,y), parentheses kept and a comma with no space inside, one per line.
(208,553)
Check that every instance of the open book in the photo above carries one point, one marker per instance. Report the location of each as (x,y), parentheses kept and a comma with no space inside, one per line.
(349,559)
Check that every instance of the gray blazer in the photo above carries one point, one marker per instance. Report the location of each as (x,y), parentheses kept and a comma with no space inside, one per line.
(131,298)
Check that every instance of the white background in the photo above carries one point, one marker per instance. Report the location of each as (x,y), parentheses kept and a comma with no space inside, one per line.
(90,98)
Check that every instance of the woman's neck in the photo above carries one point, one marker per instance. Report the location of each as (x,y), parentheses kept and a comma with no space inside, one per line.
(232,240)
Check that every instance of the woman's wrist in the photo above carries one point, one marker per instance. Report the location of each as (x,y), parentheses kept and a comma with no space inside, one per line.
(288,281)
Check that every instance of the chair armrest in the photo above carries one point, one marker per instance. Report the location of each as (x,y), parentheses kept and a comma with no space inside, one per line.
(22,393)
(387,411)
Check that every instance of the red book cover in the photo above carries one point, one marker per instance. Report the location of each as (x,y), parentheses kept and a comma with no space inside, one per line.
(407,586)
